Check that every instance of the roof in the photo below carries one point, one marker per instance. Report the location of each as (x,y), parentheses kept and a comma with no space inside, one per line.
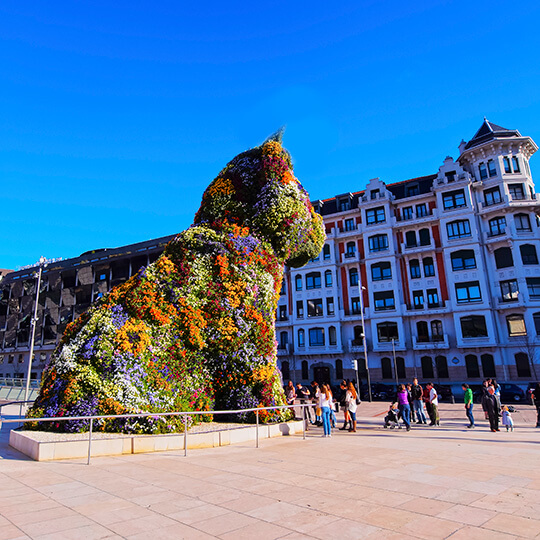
(489,131)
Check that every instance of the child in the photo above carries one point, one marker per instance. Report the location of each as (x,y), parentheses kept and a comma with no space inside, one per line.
(391,420)
(507,419)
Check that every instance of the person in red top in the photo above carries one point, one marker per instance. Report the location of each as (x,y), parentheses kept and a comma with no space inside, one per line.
(427,402)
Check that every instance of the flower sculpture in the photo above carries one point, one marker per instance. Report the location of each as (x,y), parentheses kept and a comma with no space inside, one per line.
(195,329)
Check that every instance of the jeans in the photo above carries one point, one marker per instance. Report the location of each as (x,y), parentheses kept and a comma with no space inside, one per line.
(326,420)
(405,411)
(537,414)
(470,416)
(333,418)
(419,410)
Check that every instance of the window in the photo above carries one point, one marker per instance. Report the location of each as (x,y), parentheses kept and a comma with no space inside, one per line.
(349,225)
(492,170)
(463,260)
(339,369)
(497,226)
(509,290)
(425,238)
(412,190)
(515,164)
(528,254)
(384,300)
(375,215)
(473,326)
(381,271)
(282,313)
(344,204)
(418,299)
(533,286)
(536,318)
(492,196)
(353,277)
(355,305)
(301,338)
(285,371)
(422,331)
(332,338)
(458,229)
(305,370)
(313,280)
(326,252)
(410,239)
(298,282)
(437,331)
(429,267)
(407,212)
(400,367)
(522,222)
(386,368)
(450,176)
(471,365)
(427,368)
(469,291)
(374,193)
(488,365)
(421,210)
(522,365)
(300,309)
(283,340)
(516,192)
(330,306)
(516,325)
(483,171)
(316,337)
(442,367)
(503,257)
(358,335)
(379,242)
(351,250)
(314,307)
(283,289)
(387,331)
(454,199)
(414,266)
(328,278)
(507,168)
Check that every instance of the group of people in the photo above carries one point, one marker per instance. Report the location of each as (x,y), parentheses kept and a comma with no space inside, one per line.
(491,405)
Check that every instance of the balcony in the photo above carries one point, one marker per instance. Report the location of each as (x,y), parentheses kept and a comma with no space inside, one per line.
(356,345)
(524,199)
(350,257)
(417,248)
(416,217)
(283,349)
(386,346)
(437,307)
(431,342)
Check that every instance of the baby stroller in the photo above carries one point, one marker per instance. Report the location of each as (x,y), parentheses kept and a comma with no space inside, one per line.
(391,420)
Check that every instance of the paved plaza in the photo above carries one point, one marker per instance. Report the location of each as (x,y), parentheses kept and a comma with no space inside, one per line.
(446,482)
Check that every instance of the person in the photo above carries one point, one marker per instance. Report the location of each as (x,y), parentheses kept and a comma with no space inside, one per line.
(404,407)
(315,391)
(485,385)
(491,405)
(303,394)
(290,393)
(343,403)
(325,404)
(413,415)
(536,400)
(418,406)
(427,403)
(468,398)
(350,399)
(391,419)
(434,401)
(497,388)
(507,419)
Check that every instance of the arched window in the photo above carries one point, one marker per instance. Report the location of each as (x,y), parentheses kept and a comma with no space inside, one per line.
(410,239)
(332,336)
(528,254)
(400,366)
(503,257)
(425,237)
(471,364)
(283,340)
(350,250)
(414,266)
(298,282)
(522,365)
(482,169)
(285,371)
(386,367)
(442,367)
(305,371)
(313,280)
(488,365)
(429,267)
(353,277)
(326,252)
(437,331)
(422,331)
(427,367)
(328,278)
(339,369)
(301,338)
(358,335)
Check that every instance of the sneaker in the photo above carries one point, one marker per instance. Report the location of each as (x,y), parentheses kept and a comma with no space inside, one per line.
(408,428)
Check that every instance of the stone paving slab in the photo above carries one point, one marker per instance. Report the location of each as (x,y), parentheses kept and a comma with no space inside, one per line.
(429,483)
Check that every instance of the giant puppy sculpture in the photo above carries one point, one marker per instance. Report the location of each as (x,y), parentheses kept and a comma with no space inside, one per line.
(195,329)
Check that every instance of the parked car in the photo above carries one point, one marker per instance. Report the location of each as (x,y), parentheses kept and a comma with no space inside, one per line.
(510,393)
(379,392)
(443,391)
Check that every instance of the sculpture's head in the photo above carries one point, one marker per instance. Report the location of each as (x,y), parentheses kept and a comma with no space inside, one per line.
(258,189)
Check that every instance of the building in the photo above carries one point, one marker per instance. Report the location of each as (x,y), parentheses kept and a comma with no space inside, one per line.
(444,266)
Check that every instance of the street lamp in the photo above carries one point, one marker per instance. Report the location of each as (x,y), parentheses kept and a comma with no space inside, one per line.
(362,288)
(42,264)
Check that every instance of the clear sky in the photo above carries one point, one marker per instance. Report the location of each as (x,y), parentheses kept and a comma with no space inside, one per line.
(114,116)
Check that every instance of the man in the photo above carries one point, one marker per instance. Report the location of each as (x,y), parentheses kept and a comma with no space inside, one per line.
(427,403)
(315,391)
(303,395)
(536,400)
(418,407)
(468,398)
(434,401)
(491,405)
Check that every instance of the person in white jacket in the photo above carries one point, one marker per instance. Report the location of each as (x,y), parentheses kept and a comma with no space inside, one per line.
(350,399)
(325,404)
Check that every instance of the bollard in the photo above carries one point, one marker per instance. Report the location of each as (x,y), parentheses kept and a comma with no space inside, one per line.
(185,435)
(304,422)
(257,430)
(90,440)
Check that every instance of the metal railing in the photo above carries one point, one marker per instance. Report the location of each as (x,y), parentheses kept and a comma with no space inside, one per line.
(184,414)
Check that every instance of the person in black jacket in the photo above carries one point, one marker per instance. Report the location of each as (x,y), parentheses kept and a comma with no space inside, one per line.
(536,400)
(418,406)
(491,405)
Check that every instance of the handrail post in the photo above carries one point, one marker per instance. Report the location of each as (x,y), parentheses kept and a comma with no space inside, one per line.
(185,435)
(90,440)
(257,430)
(303,421)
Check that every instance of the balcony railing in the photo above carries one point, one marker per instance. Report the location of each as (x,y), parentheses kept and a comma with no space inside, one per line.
(430,342)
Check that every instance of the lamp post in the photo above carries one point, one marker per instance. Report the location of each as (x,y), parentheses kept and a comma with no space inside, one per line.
(395,363)
(362,288)
(42,264)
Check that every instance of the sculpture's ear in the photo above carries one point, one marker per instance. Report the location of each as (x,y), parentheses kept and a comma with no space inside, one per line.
(277,136)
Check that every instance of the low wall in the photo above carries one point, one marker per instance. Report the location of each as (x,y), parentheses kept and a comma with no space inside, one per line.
(46,446)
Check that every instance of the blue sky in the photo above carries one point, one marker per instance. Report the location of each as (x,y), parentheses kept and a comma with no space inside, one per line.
(114,116)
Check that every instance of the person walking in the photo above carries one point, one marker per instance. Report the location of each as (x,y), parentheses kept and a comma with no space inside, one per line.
(418,406)
(303,394)
(408,386)
(347,424)
(485,385)
(468,398)
(352,406)
(315,392)
(404,407)
(536,400)
(491,405)
(427,403)
(325,404)
(434,401)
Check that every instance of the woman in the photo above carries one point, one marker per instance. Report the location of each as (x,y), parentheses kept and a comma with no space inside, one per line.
(350,399)
(325,404)
(344,407)
(404,407)
(290,393)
